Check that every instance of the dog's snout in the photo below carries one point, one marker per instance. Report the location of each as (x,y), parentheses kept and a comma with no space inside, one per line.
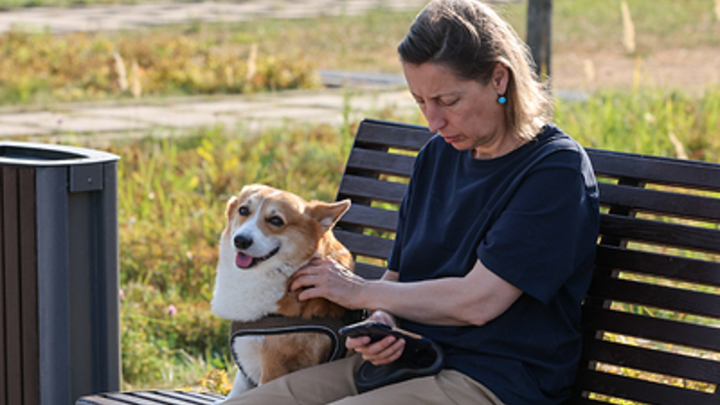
(242,241)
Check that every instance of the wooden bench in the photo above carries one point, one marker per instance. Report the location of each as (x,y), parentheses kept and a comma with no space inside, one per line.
(651,320)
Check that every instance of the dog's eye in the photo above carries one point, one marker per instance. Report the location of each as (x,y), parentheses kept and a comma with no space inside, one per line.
(277,221)
(244,211)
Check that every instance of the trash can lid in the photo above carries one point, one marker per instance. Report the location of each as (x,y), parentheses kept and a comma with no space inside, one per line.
(41,154)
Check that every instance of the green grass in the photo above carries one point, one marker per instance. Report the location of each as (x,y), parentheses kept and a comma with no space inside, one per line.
(642,122)
(593,25)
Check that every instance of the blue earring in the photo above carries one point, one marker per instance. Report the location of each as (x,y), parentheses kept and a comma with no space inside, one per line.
(502,100)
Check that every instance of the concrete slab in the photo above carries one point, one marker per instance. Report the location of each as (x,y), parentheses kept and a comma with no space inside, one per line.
(224,106)
(334,101)
(48,121)
(156,115)
(97,124)
(10,130)
(295,113)
(259,111)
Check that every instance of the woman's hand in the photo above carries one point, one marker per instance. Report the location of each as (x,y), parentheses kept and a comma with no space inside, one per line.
(326,278)
(383,351)
(323,278)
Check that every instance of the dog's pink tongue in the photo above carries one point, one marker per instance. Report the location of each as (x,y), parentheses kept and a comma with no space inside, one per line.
(243,261)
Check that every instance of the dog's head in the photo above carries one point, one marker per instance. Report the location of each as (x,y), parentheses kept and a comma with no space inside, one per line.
(270,228)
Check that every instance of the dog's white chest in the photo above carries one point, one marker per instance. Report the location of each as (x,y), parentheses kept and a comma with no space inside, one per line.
(247,353)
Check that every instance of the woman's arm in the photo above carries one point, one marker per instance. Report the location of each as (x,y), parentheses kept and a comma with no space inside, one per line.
(474,299)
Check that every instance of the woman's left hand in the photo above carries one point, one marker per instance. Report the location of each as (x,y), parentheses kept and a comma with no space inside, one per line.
(326,278)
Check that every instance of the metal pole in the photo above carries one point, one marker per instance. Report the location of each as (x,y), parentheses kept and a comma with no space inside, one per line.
(539,35)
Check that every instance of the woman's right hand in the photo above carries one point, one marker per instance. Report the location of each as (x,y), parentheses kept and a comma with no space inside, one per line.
(384,351)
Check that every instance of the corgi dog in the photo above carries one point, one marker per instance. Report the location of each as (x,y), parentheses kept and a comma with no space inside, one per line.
(269,235)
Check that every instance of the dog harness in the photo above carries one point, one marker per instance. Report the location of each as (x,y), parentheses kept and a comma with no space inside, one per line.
(275,324)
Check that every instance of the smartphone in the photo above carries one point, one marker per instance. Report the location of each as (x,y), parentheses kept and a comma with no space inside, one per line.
(377,331)
(419,351)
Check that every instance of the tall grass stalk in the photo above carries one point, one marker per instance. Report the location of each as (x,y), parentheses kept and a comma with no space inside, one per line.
(628,28)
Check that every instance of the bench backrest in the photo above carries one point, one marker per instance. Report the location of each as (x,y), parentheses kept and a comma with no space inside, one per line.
(651,319)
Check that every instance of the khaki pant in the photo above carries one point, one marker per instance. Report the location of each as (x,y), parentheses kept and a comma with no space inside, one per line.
(333,383)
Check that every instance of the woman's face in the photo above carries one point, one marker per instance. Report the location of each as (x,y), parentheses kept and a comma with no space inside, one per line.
(465,112)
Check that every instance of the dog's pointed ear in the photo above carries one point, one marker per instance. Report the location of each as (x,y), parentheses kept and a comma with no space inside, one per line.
(328,214)
(232,206)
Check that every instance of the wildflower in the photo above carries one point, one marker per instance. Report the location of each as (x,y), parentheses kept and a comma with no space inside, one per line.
(172,310)
(122,294)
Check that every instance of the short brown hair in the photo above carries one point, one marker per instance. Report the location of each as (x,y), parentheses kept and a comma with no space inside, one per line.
(470,38)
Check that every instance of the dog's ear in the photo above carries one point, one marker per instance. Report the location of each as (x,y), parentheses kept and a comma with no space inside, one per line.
(328,214)
(232,206)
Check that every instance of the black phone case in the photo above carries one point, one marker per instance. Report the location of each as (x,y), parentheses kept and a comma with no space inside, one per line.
(421,356)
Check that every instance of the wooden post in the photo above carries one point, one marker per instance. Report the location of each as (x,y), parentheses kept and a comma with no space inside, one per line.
(539,35)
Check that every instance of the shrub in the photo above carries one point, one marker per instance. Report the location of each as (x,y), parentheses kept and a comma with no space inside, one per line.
(43,67)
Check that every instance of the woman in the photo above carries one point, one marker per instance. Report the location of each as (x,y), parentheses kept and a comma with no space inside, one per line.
(496,238)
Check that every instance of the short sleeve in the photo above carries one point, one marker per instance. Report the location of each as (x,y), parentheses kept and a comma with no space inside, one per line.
(535,243)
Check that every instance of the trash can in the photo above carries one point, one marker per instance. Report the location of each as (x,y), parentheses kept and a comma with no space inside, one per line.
(59,303)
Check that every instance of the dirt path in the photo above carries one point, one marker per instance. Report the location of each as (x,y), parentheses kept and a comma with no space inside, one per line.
(691,70)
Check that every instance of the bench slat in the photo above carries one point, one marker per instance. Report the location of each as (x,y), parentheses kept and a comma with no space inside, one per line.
(377,190)
(369,217)
(166,397)
(205,396)
(391,134)
(662,330)
(677,268)
(132,398)
(689,206)
(369,271)
(163,399)
(654,361)
(585,401)
(643,391)
(660,232)
(365,245)
(654,169)
(99,400)
(380,162)
(689,302)
(191,397)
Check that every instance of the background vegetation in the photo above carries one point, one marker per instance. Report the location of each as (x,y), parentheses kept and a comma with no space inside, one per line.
(173,190)
(215,58)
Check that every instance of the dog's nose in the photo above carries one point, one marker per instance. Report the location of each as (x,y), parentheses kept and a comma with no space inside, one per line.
(242,241)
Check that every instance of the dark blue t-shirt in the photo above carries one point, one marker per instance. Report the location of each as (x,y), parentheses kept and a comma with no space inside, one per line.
(531,217)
